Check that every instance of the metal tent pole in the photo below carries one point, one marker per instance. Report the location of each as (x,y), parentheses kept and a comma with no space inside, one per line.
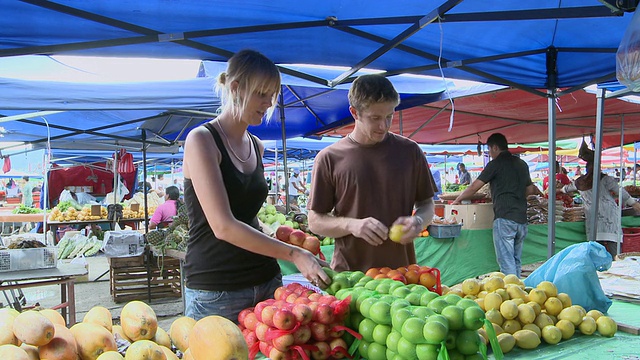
(593,214)
(284,153)
(621,172)
(551,157)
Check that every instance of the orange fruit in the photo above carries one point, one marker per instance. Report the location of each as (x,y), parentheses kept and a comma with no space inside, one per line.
(380,276)
(391,273)
(414,267)
(424,269)
(402,269)
(427,280)
(412,277)
(384,270)
(372,272)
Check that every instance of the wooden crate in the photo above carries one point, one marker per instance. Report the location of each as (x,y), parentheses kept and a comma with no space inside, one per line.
(128,277)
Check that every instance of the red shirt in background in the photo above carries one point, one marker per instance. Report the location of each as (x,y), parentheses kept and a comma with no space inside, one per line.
(560,178)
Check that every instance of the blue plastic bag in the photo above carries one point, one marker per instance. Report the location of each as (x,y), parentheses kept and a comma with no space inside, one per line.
(573,271)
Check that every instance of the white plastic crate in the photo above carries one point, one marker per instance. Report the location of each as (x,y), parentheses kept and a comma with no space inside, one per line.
(28,259)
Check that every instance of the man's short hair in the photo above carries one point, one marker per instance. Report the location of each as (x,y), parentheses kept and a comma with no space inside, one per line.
(499,140)
(372,89)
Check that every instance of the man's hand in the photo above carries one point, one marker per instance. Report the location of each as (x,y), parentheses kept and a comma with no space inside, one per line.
(371,230)
(412,225)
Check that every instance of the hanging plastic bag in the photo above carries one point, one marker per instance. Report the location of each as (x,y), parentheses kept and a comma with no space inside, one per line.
(573,271)
(6,167)
(628,55)
(125,162)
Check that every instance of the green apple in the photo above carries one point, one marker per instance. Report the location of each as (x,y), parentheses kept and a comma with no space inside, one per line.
(401,292)
(439,318)
(455,316)
(426,297)
(413,298)
(465,303)
(356,276)
(363,280)
(412,330)
(363,347)
(450,341)
(399,317)
(380,312)
(355,318)
(362,296)
(422,312)
(383,287)
(434,332)
(343,293)
(467,342)
(372,284)
(376,352)
(452,298)
(406,348)
(390,354)
(329,271)
(380,333)
(419,289)
(366,329)
(392,340)
(427,351)
(366,306)
(394,285)
(437,304)
(338,282)
(399,304)
(473,318)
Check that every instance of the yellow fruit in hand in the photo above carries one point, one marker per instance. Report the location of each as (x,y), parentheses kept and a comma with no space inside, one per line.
(396,232)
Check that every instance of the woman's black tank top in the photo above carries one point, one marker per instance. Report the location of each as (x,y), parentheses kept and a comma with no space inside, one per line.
(216,265)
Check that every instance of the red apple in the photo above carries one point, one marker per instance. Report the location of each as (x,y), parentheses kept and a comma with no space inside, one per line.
(250,337)
(283,232)
(276,354)
(338,343)
(281,293)
(265,347)
(314,296)
(302,335)
(302,300)
(324,314)
(284,319)
(303,313)
(297,237)
(291,299)
(313,306)
(261,332)
(281,304)
(243,314)
(267,315)
(251,321)
(323,352)
(312,244)
(319,331)
(283,342)
(327,299)
(335,333)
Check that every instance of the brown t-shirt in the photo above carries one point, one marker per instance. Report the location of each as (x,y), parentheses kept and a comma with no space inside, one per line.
(383,181)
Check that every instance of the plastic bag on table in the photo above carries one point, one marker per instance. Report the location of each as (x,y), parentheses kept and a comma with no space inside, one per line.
(85,198)
(573,271)
(628,55)
(123,243)
(79,260)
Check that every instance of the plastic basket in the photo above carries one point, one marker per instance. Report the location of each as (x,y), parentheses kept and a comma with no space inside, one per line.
(28,259)
(630,240)
(444,231)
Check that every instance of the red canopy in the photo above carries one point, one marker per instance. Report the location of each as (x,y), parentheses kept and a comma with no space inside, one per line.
(521,116)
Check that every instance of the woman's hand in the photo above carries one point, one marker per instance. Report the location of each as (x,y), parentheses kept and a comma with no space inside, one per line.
(636,207)
(311,267)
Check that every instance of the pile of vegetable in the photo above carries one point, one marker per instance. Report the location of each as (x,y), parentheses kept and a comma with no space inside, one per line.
(26,210)
(70,247)
(454,187)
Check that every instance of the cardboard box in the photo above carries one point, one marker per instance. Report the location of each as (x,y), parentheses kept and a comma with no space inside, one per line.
(96,210)
(472,217)
(135,207)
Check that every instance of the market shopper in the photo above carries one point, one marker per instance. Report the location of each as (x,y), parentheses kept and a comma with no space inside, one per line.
(368,181)
(609,226)
(163,216)
(296,188)
(230,264)
(27,192)
(561,180)
(464,177)
(510,183)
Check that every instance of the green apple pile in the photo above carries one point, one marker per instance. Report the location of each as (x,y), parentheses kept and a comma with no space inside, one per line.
(269,215)
(399,321)
(525,317)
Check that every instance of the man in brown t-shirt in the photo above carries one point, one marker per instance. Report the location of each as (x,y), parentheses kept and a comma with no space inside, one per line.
(368,181)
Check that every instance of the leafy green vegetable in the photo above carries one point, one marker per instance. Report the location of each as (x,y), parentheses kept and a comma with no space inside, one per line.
(26,210)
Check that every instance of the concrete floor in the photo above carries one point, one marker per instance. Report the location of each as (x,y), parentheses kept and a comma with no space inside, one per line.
(92,293)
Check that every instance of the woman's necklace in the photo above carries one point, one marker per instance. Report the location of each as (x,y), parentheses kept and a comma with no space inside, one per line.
(231,147)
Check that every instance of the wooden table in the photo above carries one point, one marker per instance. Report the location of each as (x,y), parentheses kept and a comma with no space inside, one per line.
(64,275)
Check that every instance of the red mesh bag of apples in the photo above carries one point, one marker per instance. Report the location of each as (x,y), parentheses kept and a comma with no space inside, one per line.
(299,238)
(298,323)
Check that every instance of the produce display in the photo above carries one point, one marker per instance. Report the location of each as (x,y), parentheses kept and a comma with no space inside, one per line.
(175,236)
(70,247)
(299,238)
(26,210)
(44,334)
(66,211)
(298,324)
(525,317)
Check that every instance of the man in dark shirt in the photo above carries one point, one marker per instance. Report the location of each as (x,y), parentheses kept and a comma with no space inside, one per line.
(510,183)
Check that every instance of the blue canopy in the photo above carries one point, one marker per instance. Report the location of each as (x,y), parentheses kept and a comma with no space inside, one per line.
(540,44)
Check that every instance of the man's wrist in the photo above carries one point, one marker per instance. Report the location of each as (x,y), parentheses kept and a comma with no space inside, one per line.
(419,220)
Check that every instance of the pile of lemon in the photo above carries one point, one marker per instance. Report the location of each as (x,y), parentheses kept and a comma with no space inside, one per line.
(525,317)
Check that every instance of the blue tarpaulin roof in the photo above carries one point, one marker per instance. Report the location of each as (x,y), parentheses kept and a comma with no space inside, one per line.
(531,45)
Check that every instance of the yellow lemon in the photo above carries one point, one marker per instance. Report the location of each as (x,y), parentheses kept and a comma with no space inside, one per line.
(470,287)
(511,326)
(526,339)
(492,301)
(493,283)
(534,328)
(548,287)
(567,328)
(396,232)
(566,300)
(536,307)
(606,326)
(595,314)
(507,342)
(494,316)
(509,309)
(551,334)
(588,326)
(537,296)
(572,314)
(526,314)
(553,306)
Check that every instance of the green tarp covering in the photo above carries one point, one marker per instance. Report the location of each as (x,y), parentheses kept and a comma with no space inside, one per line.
(472,254)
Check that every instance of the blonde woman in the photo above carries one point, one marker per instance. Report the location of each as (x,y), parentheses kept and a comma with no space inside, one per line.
(230,265)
